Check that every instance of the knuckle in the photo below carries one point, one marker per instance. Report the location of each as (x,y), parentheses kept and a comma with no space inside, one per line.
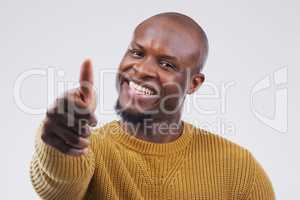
(84,143)
(81,143)
(50,112)
(93,120)
(47,124)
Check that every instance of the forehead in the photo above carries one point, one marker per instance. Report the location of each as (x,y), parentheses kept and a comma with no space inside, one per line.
(169,38)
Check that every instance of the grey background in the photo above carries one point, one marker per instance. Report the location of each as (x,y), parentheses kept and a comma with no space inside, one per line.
(249,40)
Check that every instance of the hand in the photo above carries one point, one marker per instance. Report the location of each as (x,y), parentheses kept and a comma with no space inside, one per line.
(68,121)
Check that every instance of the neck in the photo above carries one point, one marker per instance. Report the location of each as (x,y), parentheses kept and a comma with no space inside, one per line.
(158,130)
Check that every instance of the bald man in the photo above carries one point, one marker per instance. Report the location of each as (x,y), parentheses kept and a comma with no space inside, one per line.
(150,153)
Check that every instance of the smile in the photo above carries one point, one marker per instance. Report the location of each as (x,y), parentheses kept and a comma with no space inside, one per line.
(141,89)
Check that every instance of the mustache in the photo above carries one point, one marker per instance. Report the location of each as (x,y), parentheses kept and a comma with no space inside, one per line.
(127,116)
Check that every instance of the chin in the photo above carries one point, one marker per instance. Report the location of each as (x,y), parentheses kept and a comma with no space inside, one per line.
(131,115)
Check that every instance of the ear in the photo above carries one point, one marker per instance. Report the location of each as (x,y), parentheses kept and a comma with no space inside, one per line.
(196,81)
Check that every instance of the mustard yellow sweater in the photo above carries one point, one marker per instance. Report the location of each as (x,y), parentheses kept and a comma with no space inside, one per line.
(198,165)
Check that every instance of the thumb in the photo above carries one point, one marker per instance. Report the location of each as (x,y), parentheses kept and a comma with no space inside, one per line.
(86,79)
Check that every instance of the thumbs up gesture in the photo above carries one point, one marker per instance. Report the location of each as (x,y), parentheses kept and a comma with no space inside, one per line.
(67,124)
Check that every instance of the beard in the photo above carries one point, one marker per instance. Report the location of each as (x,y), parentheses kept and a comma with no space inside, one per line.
(133,118)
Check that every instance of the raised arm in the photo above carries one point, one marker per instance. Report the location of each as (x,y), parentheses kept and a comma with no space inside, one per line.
(63,162)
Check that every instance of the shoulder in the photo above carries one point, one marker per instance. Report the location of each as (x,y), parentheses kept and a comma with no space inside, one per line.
(212,143)
(237,163)
(233,159)
(225,151)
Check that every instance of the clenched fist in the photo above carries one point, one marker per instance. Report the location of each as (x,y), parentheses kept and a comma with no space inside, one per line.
(68,121)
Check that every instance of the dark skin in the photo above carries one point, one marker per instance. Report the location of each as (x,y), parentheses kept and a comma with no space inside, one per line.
(166,54)
(67,123)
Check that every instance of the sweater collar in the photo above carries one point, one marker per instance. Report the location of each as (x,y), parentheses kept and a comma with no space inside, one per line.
(119,135)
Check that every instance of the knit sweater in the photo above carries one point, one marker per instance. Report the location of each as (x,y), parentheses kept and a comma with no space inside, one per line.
(197,165)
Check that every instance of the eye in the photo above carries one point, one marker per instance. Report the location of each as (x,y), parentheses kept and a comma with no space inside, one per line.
(167,65)
(136,53)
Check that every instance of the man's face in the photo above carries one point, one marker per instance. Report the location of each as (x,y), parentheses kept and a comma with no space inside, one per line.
(155,71)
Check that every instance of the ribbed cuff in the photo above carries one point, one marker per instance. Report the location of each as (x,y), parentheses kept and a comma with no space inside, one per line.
(59,166)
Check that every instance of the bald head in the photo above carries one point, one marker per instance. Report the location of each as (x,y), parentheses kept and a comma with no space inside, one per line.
(183,25)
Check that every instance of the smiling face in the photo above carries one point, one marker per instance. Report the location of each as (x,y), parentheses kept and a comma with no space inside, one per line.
(159,68)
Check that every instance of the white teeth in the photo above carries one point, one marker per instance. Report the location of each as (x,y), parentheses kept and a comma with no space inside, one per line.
(140,89)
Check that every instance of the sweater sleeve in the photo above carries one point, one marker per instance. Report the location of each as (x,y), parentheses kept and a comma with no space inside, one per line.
(261,188)
(55,175)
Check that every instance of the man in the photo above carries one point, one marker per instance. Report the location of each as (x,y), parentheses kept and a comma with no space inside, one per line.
(150,153)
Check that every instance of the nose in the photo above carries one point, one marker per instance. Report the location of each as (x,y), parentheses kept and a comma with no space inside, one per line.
(145,69)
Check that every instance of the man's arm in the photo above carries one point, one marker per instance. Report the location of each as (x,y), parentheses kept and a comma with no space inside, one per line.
(55,175)
(63,163)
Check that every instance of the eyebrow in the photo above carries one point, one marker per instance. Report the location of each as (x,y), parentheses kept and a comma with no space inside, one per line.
(137,44)
(163,56)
